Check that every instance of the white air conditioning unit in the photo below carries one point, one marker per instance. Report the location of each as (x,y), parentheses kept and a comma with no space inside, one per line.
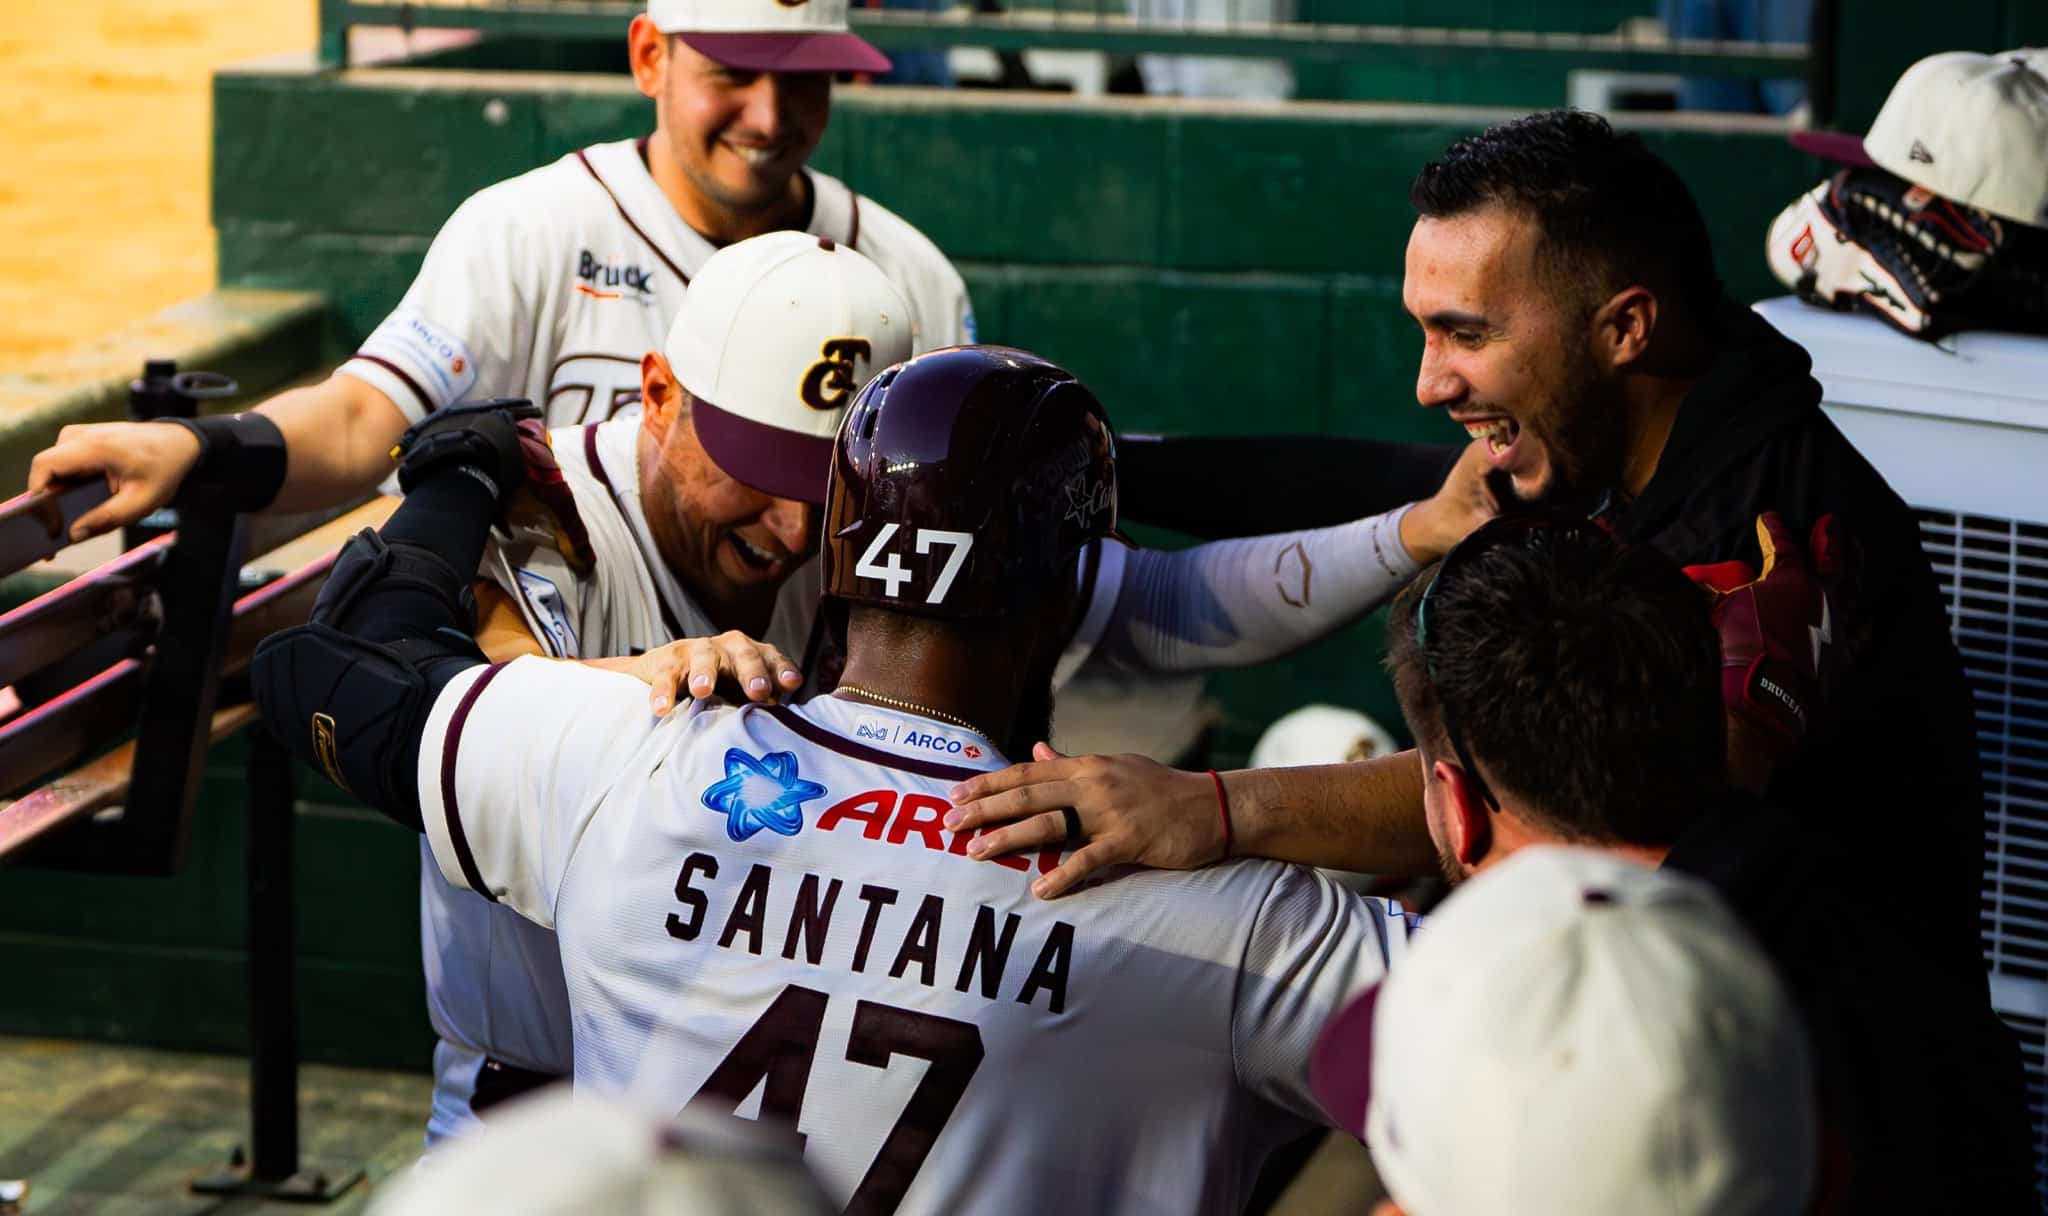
(1960,429)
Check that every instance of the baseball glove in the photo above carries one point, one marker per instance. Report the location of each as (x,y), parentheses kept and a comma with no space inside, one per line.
(542,510)
(1865,238)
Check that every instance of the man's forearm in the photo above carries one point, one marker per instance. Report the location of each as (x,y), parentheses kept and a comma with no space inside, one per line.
(338,436)
(1234,603)
(1365,816)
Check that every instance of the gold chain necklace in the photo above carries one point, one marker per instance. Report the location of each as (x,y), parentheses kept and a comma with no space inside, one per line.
(911,707)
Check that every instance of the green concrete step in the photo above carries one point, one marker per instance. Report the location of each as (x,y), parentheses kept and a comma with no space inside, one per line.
(263,339)
(1009,178)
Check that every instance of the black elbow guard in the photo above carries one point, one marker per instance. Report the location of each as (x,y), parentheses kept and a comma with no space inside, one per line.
(355,709)
(394,591)
(241,461)
(350,692)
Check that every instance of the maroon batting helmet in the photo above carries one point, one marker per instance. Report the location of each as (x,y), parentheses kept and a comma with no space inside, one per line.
(963,481)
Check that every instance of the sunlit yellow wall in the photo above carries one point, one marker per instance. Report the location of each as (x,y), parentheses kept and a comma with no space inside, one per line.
(105,130)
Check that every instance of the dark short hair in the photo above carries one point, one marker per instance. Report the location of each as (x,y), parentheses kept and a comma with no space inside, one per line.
(1584,675)
(1611,212)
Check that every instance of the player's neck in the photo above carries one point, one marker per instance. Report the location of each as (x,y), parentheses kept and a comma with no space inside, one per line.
(721,225)
(1654,410)
(923,675)
(1653,393)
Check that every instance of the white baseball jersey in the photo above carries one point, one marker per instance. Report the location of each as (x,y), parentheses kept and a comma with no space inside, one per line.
(552,285)
(759,911)
(495,978)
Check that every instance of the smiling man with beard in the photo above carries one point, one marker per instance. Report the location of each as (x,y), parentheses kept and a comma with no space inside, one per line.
(1572,318)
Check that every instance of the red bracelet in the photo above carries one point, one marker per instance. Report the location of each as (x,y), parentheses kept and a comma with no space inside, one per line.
(1223,809)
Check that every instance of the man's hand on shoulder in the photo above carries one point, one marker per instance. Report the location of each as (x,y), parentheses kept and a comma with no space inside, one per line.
(144,464)
(697,664)
(1132,810)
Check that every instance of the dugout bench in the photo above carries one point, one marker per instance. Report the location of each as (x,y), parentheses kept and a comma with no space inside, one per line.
(123,677)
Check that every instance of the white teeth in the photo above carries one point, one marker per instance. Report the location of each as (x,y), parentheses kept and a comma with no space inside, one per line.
(756,157)
(1499,433)
(755,552)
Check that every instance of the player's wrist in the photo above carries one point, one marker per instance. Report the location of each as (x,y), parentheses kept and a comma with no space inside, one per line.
(1423,531)
(234,462)
(1222,815)
(1232,790)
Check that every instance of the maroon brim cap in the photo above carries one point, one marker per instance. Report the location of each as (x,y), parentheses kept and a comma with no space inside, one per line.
(1836,146)
(778,463)
(1340,1068)
(790,52)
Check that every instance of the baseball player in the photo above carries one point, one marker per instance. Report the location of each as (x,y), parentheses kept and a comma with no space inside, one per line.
(759,908)
(551,285)
(775,334)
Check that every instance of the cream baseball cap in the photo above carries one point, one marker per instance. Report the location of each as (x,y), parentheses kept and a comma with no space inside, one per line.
(1577,1034)
(769,35)
(1972,128)
(1320,734)
(776,335)
(552,1154)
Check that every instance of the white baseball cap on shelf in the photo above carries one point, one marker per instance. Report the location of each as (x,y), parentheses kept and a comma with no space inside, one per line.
(769,35)
(776,335)
(1972,128)
(1576,1033)
(552,1154)
(1320,734)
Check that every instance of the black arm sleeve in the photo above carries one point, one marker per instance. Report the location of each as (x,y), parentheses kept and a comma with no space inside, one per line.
(351,691)
(1216,486)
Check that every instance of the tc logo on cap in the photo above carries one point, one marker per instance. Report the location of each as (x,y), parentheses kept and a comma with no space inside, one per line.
(829,382)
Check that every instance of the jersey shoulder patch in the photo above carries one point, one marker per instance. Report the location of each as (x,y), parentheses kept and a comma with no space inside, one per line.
(426,347)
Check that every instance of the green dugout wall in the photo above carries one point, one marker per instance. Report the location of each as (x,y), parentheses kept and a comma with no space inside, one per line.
(1212,268)
(1206,267)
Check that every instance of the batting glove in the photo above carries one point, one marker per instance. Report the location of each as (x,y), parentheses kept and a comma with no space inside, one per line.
(1781,627)
(543,510)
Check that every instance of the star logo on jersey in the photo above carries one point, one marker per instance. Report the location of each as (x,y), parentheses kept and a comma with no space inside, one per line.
(761,793)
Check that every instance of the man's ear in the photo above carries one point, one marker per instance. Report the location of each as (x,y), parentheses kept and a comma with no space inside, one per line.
(1466,817)
(661,396)
(647,54)
(1624,325)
